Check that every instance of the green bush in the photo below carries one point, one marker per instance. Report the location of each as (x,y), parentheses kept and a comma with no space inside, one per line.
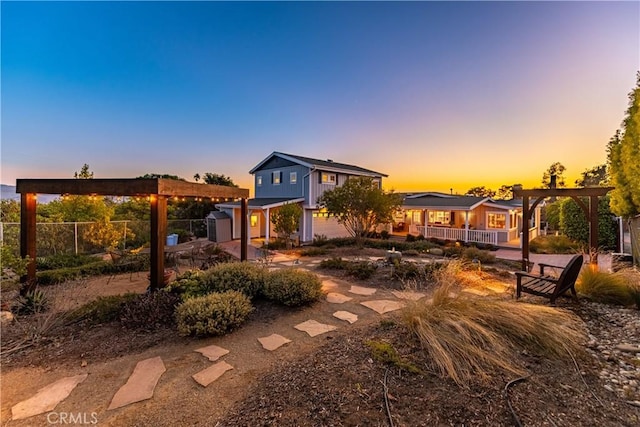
(188,285)
(334,264)
(384,235)
(292,287)
(149,310)
(411,252)
(406,270)
(575,225)
(553,245)
(432,269)
(314,251)
(361,269)
(57,261)
(96,268)
(484,257)
(213,314)
(32,302)
(235,276)
(102,309)
(410,238)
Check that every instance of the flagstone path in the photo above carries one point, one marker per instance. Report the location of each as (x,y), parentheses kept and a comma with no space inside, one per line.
(142,382)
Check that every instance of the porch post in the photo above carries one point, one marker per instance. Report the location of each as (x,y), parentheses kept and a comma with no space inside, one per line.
(525,233)
(243,229)
(466,226)
(266,234)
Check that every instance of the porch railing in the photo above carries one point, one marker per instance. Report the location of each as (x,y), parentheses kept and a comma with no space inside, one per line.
(477,236)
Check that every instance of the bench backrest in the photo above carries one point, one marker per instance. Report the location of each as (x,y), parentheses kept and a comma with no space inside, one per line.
(569,275)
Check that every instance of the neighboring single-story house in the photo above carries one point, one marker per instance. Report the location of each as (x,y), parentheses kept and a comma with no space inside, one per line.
(464,218)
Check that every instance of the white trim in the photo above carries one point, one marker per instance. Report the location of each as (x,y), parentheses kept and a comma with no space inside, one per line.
(293,177)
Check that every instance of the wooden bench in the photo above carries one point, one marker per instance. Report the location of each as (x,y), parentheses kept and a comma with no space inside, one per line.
(549,286)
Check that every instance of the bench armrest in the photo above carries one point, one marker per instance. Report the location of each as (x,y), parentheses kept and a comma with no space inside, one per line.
(520,274)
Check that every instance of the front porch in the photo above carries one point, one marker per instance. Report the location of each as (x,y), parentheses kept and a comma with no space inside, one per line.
(511,238)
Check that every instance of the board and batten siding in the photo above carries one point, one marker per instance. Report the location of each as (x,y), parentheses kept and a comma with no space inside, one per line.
(285,189)
(317,188)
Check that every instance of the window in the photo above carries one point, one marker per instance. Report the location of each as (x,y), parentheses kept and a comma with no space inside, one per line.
(328,178)
(293,177)
(416,217)
(259,180)
(439,217)
(254,220)
(496,220)
(276,178)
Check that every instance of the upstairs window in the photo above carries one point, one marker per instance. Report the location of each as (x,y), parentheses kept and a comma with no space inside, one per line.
(276,178)
(259,180)
(328,178)
(293,177)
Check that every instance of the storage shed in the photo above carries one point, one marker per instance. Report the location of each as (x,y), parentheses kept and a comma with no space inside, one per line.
(218,227)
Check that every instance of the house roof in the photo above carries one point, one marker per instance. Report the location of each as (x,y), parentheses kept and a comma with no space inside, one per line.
(451,203)
(263,202)
(328,165)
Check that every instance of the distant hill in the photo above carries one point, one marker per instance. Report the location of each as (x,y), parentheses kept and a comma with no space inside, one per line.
(8,192)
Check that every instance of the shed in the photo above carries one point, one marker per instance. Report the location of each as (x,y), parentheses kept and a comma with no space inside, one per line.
(218,227)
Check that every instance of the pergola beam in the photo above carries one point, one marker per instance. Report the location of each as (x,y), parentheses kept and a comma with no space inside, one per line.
(590,211)
(157,189)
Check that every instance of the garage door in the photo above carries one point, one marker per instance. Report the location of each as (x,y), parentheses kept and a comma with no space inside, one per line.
(329,227)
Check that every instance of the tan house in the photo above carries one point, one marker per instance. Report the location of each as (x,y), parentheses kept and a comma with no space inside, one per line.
(464,218)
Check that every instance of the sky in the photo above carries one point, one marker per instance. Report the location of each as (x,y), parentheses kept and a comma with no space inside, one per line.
(441,96)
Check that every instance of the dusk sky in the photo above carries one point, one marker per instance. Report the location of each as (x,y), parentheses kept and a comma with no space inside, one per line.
(436,95)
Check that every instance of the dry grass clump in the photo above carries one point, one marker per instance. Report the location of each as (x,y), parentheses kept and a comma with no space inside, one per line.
(622,288)
(467,338)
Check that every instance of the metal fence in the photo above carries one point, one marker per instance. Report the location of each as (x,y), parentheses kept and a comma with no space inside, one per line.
(75,237)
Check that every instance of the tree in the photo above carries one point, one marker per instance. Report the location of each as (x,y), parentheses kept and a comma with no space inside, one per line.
(196,177)
(505,192)
(574,223)
(597,176)
(624,160)
(481,192)
(286,220)
(161,176)
(552,213)
(85,173)
(556,169)
(218,179)
(360,205)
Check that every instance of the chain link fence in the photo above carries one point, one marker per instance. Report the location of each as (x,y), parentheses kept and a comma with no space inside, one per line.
(80,237)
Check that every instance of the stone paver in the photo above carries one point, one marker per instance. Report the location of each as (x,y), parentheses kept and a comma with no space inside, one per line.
(359,290)
(408,295)
(47,398)
(212,373)
(213,352)
(337,298)
(346,315)
(140,384)
(314,328)
(328,285)
(273,341)
(383,305)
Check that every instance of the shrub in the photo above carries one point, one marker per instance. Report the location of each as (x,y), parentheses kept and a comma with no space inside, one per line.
(213,314)
(453,251)
(277,244)
(334,264)
(149,310)
(484,257)
(467,338)
(406,270)
(57,261)
(384,235)
(436,251)
(235,276)
(411,252)
(102,309)
(361,269)
(608,288)
(320,239)
(96,268)
(410,238)
(553,245)
(385,353)
(188,285)
(292,287)
(314,252)
(32,302)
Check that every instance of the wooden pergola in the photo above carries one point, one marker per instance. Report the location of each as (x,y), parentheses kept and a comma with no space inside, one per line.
(158,190)
(590,210)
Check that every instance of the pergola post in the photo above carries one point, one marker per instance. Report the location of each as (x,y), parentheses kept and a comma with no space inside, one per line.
(526,215)
(28,239)
(244,241)
(158,235)
(593,231)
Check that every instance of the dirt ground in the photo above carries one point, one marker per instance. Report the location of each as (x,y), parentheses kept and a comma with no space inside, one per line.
(328,380)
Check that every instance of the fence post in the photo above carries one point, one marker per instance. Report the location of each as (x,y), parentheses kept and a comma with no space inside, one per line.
(75,235)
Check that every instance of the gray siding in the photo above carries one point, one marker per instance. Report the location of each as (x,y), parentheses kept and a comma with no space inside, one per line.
(285,188)
(318,188)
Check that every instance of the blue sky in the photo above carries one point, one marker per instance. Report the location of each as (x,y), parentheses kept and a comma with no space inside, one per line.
(437,95)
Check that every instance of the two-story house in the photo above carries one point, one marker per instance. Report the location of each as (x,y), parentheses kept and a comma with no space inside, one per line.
(286,178)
